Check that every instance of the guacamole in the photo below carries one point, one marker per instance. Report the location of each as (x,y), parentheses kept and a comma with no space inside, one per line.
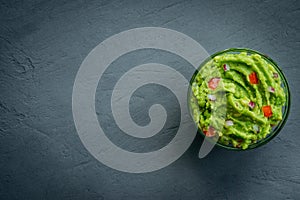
(238,98)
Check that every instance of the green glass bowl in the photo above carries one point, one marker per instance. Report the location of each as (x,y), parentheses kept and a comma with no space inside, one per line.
(285,109)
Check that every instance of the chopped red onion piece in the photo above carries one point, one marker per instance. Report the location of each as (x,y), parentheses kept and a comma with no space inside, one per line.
(256,128)
(251,104)
(226,67)
(271,89)
(229,123)
(275,75)
(239,140)
(211,97)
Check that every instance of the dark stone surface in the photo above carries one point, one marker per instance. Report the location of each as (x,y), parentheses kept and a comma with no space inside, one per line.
(42,45)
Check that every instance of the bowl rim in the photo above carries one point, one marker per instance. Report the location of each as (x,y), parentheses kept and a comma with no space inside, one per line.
(286,112)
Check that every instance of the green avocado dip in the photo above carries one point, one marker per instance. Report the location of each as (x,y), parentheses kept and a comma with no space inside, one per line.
(237,98)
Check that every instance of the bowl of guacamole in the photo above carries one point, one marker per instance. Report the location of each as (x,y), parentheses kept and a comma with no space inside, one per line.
(239,98)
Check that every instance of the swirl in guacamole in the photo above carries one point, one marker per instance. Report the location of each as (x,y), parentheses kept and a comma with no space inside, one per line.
(237,97)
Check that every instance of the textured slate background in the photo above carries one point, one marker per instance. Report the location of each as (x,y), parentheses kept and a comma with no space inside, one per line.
(42,46)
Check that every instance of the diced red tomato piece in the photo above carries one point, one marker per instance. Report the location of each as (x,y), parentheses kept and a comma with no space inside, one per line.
(213,83)
(267,111)
(253,78)
(211,132)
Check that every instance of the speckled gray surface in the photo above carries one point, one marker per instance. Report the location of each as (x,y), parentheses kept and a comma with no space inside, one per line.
(42,46)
